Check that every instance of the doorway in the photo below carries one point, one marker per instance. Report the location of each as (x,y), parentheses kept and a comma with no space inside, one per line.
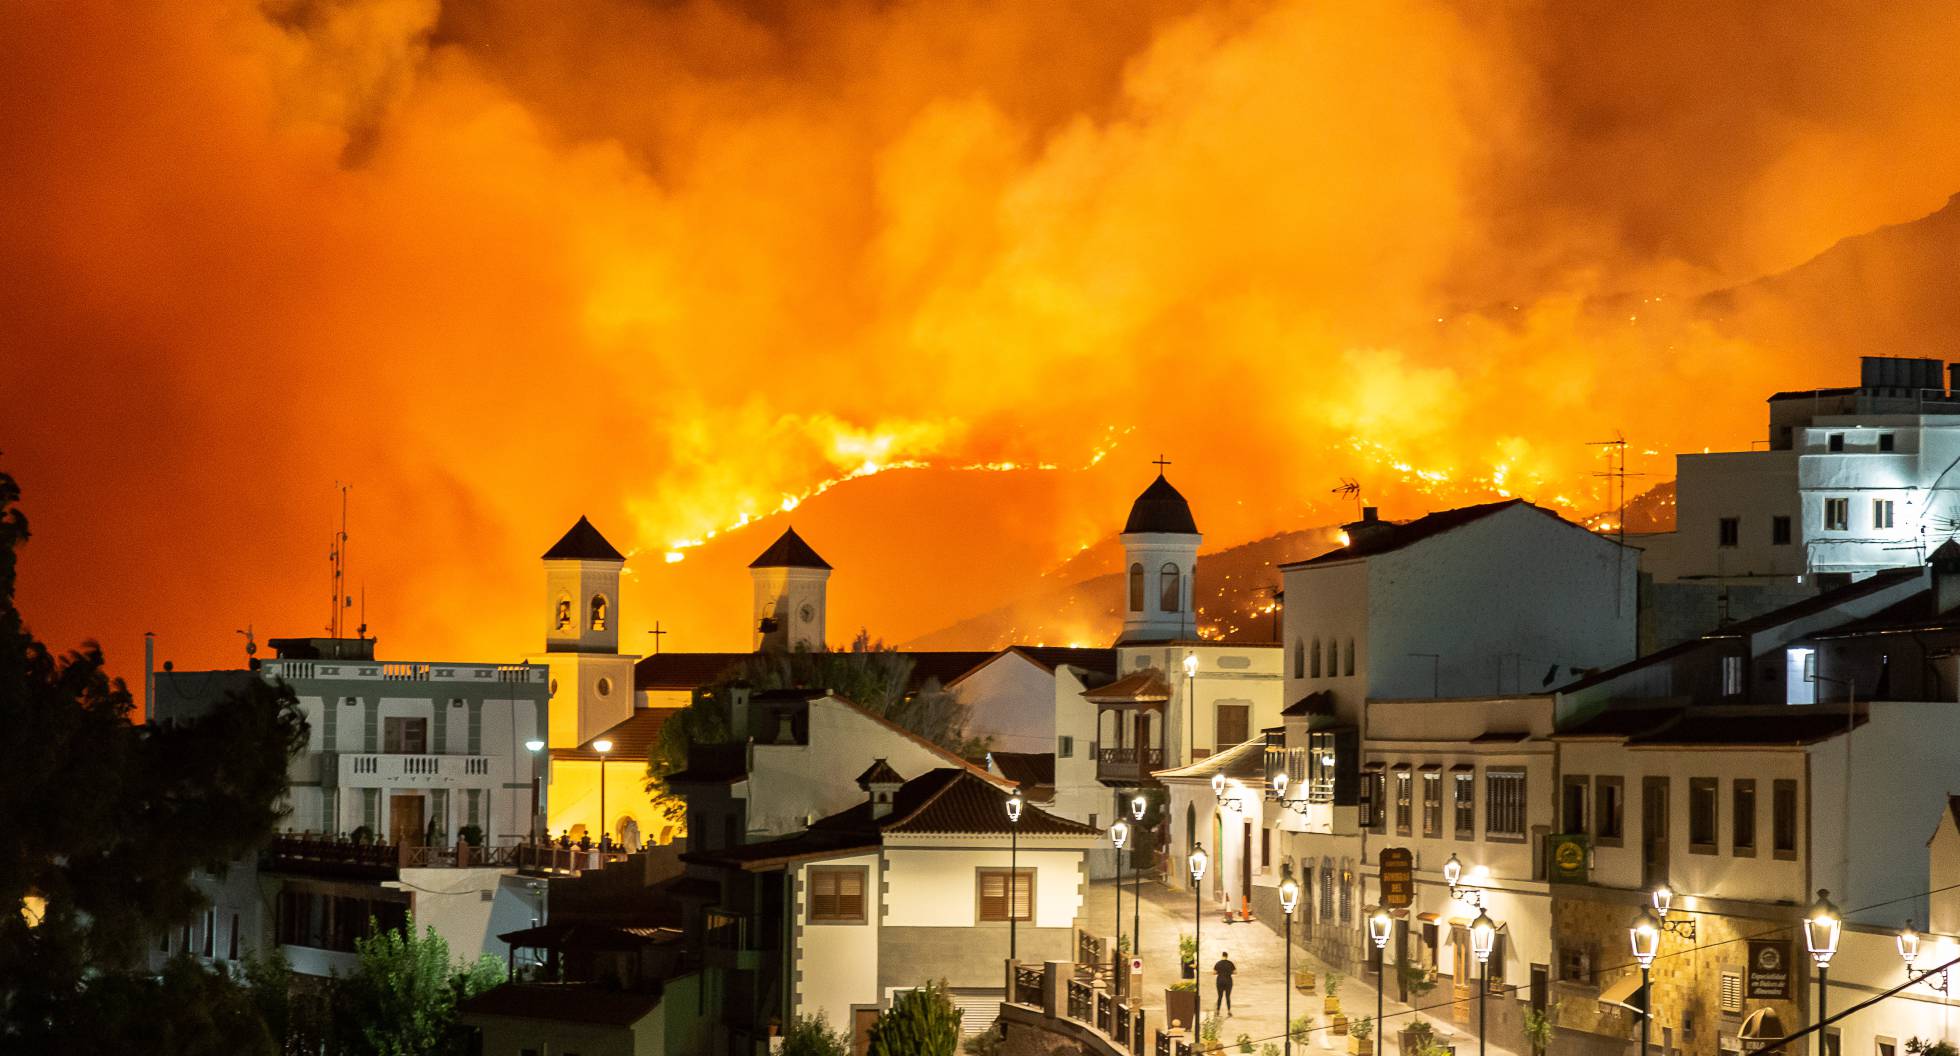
(405,824)
(1245,869)
(1653,830)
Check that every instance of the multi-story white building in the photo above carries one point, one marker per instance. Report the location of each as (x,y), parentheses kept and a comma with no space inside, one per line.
(410,795)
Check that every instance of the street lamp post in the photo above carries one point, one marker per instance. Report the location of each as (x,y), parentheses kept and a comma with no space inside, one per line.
(1820,935)
(1137,806)
(1013,876)
(1483,936)
(1289,896)
(1379,925)
(1197,862)
(1191,704)
(534,746)
(1909,953)
(1645,935)
(602,746)
(1119,834)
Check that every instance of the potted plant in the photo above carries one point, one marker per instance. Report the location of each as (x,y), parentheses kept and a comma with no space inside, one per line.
(1181,1003)
(1245,1042)
(1187,956)
(1331,1004)
(1358,1034)
(1416,1037)
(1301,1029)
(1304,980)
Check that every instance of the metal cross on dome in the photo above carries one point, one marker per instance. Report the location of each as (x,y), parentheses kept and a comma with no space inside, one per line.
(1160,462)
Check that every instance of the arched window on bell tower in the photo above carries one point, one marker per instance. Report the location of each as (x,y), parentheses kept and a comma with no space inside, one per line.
(564,618)
(598,612)
(1136,587)
(1170,598)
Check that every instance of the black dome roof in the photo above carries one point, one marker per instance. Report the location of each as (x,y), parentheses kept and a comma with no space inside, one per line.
(1161,509)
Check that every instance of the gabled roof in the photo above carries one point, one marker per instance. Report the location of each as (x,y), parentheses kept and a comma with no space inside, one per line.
(1161,509)
(631,739)
(1389,536)
(1046,657)
(789,551)
(1029,770)
(1147,684)
(1240,760)
(879,772)
(583,543)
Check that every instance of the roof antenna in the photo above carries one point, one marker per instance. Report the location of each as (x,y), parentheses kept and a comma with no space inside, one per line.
(1350,488)
(361,631)
(338,555)
(1616,471)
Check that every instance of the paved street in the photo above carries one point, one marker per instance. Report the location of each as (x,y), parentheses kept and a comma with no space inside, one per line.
(1259,993)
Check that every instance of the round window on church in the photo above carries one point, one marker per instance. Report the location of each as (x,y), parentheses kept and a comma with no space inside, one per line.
(605,687)
(808,612)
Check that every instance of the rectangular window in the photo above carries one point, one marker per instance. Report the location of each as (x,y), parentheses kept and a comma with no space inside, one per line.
(1504,804)
(1881,513)
(405,736)
(1731,676)
(1404,785)
(1836,442)
(1886,442)
(1572,803)
(1326,892)
(1575,965)
(1731,996)
(1833,1043)
(1779,531)
(1064,747)
(992,885)
(210,929)
(1375,800)
(1729,531)
(1884,1046)
(233,947)
(1783,820)
(1837,515)
(1432,805)
(1609,811)
(1742,822)
(1702,810)
(1234,725)
(1466,805)
(837,894)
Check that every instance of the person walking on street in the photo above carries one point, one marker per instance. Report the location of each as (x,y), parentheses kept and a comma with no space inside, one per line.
(1224,969)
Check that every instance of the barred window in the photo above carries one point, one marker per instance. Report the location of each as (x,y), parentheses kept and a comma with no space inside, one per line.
(1504,804)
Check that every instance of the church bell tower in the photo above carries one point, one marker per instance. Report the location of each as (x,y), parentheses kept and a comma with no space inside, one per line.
(1160,557)
(789,595)
(591,683)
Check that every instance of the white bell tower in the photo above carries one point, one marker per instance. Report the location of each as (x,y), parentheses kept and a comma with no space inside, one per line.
(1160,559)
(790,582)
(591,683)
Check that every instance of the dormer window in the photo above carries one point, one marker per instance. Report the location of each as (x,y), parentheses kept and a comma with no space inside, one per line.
(598,612)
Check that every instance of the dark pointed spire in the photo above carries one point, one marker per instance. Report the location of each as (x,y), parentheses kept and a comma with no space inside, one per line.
(789,551)
(583,543)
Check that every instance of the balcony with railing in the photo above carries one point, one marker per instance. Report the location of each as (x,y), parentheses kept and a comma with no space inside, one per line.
(1129,763)
(403,770)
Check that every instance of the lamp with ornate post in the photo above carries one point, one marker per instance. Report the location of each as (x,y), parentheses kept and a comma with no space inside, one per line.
(1013,876)
(1289,896)
(534,746)
(1191,704)
(1197,862)
(1820,935)
(1379,926)
(1483,937)
(1119,834)
(1137,806)
(602,746)
(1645,935)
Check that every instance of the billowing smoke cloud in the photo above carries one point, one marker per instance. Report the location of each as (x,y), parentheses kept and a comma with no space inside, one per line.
(678,265)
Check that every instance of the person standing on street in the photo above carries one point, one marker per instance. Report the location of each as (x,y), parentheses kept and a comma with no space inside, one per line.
(1224,969)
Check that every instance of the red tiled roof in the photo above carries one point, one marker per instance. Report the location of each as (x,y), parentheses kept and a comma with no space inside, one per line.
(1147,684)
(1029,770)
(632,739)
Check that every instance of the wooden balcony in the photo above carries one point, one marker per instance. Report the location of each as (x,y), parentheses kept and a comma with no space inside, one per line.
(1130,765)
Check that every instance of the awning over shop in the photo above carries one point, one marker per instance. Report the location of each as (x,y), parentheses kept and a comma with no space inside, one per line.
(1761,1025)
(1625,993)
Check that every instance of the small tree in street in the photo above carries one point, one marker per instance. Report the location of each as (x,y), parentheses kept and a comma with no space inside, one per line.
(922,1022)
(401,1000)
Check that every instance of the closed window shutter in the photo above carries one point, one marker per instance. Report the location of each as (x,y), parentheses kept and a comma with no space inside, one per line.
(1023,896)
(1731,991)
(850,895)
(823,895)
(993,896)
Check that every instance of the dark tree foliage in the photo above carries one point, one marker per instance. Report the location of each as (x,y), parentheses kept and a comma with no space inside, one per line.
(102,823)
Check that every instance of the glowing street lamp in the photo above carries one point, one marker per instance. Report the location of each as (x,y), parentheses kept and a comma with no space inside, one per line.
(1452,872)
(1645,936)
(1483,939)
(1138,805)
(534,746)
(1379,926)
(1289,896)
(1119,834)
(1191,703)
(1014,804)
(1821,928)
(1279,785)
(602,746)
(1909,953)
(1197,862)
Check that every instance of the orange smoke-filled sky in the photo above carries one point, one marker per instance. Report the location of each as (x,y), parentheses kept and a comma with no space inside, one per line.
(678,264)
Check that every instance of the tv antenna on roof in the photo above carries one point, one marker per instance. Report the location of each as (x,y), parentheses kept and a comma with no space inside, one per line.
(338,555)
(1616,471)
(1349,488)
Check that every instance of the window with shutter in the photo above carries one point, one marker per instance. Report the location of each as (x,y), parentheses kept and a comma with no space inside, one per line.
(1504,805)
(837,894)
(992,895)
(1731,991)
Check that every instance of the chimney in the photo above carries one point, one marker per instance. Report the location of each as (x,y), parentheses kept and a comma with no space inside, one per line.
(1368,527)
(882,783)
(738,711)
